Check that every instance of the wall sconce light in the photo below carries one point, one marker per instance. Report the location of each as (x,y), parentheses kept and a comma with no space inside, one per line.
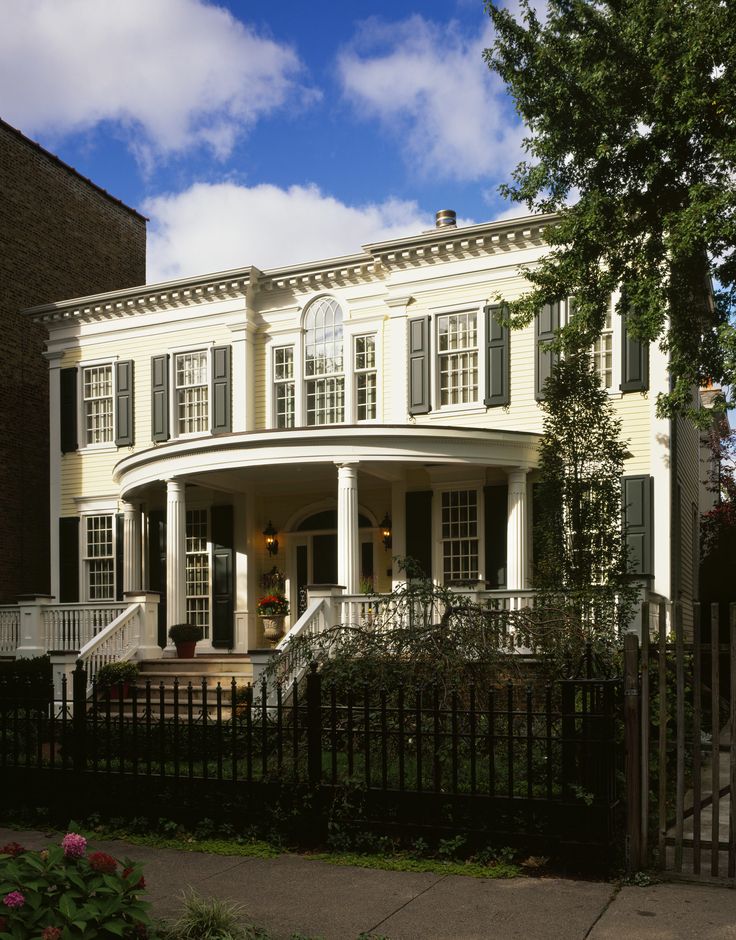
(272,543)
(386,531)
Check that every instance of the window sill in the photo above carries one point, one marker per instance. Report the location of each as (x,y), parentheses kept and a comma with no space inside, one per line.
(98,449)
(452,411)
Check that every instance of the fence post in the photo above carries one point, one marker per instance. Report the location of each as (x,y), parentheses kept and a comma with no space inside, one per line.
(632,747)
(314,726)
(79,717)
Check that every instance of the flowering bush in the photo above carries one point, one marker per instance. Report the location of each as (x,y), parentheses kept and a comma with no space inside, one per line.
(273,605)
(62,892)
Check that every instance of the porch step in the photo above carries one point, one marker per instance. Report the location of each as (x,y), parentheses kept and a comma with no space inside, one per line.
(211,669)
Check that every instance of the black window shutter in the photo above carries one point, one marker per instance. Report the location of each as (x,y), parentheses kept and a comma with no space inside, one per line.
(124,403)
(221,390)
(419,394)
(496,500)
(160,398)
(119,550)
(497,358)
(68,411)
(69,560)
(156,566)
(221,520)
(634,361)
(547,323)
(638,523)
(419,529)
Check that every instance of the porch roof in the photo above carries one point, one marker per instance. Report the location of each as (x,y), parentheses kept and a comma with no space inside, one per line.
(379,448)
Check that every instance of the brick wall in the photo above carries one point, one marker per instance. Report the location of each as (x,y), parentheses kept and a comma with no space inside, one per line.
(60,237)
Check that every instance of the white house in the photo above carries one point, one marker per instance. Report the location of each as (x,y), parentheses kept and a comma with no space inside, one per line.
(320,403)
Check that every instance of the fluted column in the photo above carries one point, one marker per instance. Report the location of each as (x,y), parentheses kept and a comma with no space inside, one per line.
(131,548)
(176,520)
(517,531)
(348,548)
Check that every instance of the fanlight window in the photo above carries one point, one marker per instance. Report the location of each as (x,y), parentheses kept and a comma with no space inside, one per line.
(323,363)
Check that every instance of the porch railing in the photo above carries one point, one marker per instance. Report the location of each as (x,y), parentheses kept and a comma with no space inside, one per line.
(315,619)
(9,629)
(72,626)
(117,642)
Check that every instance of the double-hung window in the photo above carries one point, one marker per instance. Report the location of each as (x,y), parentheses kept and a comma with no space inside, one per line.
(457,352)
(364,365)
(460,535)
(283,378)
(603,353)
(99,558)
(97,397)
(197,581)
(323,363)
(191,375)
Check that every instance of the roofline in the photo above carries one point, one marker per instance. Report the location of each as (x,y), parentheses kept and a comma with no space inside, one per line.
(70,169)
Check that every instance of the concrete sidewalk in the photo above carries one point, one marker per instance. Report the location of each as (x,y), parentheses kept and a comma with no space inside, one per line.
(293,893)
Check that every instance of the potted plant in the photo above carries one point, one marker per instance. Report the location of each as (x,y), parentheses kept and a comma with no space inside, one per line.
(185,637)
(112,678)
(272,608)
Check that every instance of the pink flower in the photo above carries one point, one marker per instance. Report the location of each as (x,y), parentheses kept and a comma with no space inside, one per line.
(14,899)
(101,861)
(51,933)
(74,845)
(12,848)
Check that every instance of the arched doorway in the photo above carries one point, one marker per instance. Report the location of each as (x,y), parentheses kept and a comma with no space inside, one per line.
(314,542)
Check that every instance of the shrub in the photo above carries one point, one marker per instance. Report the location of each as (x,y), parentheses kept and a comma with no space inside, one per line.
(111,674)
(63,892)
(26,681)
(211,919)
(185,633)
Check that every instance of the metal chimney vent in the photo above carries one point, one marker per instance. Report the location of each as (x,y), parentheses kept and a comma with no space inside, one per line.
(446,218)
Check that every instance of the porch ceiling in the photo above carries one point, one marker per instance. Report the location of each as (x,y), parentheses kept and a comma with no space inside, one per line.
(309,455)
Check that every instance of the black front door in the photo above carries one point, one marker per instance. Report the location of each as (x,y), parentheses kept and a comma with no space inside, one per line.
(324,559)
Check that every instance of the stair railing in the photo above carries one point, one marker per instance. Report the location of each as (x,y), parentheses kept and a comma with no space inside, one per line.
(117,642)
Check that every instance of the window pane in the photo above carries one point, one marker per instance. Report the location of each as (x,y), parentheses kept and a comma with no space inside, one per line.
(97,397)
(457,341)
(99,560)
(460,535)
(192,392)
(197,569)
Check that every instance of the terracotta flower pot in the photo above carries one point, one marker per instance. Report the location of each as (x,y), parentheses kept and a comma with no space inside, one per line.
(185,649)
(119,687)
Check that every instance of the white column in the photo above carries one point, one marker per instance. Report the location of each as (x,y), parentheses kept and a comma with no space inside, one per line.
(131,548)
(54,360)
(243,379)
(348,549)
(176,519)
(397,394)
(517,531)
(398,530)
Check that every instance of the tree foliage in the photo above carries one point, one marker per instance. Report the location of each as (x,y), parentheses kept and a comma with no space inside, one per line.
(631,106)
(580,548)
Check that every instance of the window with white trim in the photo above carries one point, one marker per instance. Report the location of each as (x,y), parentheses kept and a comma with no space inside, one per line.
(283,378)
(323,363)
(364,366)
(191,376)
(97,403)
(460,535)
(197,579)
(99,558)
(603,353)
(457,352)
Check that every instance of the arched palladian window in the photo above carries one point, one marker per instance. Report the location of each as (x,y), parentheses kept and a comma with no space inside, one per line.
(323,362)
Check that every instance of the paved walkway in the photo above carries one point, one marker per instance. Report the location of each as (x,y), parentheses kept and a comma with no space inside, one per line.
(293,893)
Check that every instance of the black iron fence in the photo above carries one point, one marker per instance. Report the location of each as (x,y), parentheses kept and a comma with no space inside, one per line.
(527,765)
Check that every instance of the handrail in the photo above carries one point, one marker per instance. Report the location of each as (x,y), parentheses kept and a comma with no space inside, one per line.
(118,642)
(314,620)
(71,626)
(9,629)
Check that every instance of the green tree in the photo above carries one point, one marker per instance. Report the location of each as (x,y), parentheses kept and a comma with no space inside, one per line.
(631,106)
(580,548)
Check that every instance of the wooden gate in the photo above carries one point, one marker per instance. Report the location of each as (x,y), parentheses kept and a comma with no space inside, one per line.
(680,706)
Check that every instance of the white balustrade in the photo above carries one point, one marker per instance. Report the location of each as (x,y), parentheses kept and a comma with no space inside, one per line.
(72,626)
(117,642)
(9,629)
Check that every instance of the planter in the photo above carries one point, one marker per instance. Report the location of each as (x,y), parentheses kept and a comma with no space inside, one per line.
(273,627)
(185,649)
(117,689)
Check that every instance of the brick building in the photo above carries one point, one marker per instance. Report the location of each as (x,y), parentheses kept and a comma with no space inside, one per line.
(60,236)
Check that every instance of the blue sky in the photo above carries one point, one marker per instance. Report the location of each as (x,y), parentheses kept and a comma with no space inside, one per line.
(265,133)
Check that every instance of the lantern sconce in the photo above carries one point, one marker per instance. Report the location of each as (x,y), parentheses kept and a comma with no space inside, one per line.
(272,543)
(386,531)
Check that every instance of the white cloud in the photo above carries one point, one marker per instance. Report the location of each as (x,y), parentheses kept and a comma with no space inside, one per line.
(175,74)
(217,226)
(428,84)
